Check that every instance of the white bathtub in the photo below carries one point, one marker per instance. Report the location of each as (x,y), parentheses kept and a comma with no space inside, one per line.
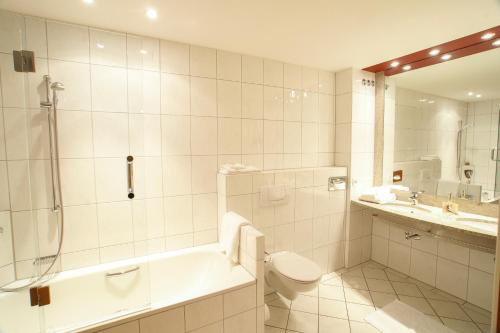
(93,295)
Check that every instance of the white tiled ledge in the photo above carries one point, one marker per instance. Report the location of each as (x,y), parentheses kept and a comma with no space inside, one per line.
(439,227)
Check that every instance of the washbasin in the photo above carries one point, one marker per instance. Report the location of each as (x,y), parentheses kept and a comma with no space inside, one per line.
(474,219)
(406,208)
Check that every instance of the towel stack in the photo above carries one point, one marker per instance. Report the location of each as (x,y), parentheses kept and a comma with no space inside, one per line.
(379,195)
(231,169)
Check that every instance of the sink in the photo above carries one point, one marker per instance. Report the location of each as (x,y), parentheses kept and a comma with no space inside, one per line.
(406,208)
(474,219)
(485,226)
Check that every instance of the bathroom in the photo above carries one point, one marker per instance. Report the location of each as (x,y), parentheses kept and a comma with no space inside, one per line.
(175,167)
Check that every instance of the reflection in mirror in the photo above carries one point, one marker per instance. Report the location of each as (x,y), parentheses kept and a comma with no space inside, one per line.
(446,128)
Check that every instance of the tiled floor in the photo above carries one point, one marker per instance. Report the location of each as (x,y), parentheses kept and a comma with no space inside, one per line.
(345,297)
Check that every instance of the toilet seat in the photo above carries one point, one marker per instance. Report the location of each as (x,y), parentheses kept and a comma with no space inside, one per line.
(295,267)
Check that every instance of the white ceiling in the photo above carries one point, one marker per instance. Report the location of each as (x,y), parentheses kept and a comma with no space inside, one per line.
(479,73)
(330,34)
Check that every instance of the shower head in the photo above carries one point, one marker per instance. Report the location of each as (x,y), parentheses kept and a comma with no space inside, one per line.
(57,86)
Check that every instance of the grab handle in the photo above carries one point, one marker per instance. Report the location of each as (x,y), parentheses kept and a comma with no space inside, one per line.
(130,270)
(130,176)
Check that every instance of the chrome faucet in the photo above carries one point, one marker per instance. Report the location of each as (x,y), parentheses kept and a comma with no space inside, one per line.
(414,198)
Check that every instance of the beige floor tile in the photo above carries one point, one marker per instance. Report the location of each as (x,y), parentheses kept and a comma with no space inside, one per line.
(332,308)
(332,275)
(331,292)
(313,292)
(382,299)
(373,264)
(336,281)
(383,286)
(357,296)
(358,312)
(418,303)
(407,289)
(329,325)
(305,304)
(357,327)
(485,328)
(278,317)
(354,272)
(354,282)
(270,329)
(477,314)
(461,326)
(303,322)
(396,276)
(280,302)
(374,273)
(448,309)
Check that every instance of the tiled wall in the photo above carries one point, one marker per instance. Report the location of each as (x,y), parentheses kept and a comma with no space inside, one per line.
(463,272)
(427,124)
(354,148)
(181,110)
(482,135)
(310,223)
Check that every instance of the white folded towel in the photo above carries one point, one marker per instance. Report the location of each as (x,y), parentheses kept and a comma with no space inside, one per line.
(379,195)
(230,169)
(230,234)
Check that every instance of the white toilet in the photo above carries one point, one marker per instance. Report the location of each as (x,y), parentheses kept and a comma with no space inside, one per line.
(289,273)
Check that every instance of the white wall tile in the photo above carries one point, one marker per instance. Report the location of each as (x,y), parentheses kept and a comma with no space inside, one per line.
(109,89)
(480,288)
(292,76)
(110,131)
(107,48)
(176,135)
(202,61)
(75,134)
(174,57)
(482,261)
(76,79)
(175,94)
(110,176)
(453,252)
(115,223)
(228,66)
(177,175)
(203,135)
(273,73)
(173,319)
(273,103)
(145,135)
(77,181)
(16,130)
(273,136)
(252,101)
(240,300)
(423,267)
(245,322)
(228,99)
(68,42)
(292,105)
(310,112)
(252,69)
(310,79)
(205,211)
(143,53)
(11,28)
(252,136)
(143,91)
(399,257)
(292,137)
(81,229)
(203,97)
(204,171)
(229,136)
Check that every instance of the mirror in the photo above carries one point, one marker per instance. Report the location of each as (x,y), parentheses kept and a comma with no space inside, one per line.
(446,136)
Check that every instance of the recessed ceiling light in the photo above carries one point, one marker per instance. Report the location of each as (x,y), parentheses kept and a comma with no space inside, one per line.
(88,2)
(394,64)
(143,52)
(422,100)
(430,102)
(470,93)
(434,52)
(488,35)
(151,13)
(446,56)
(406,67)
(101,46)
(479,95)
(496,43)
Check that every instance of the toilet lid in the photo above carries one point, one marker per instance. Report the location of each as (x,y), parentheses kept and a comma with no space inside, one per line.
(296,267)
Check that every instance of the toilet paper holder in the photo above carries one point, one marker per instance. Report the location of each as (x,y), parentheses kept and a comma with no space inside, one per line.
(336,183)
